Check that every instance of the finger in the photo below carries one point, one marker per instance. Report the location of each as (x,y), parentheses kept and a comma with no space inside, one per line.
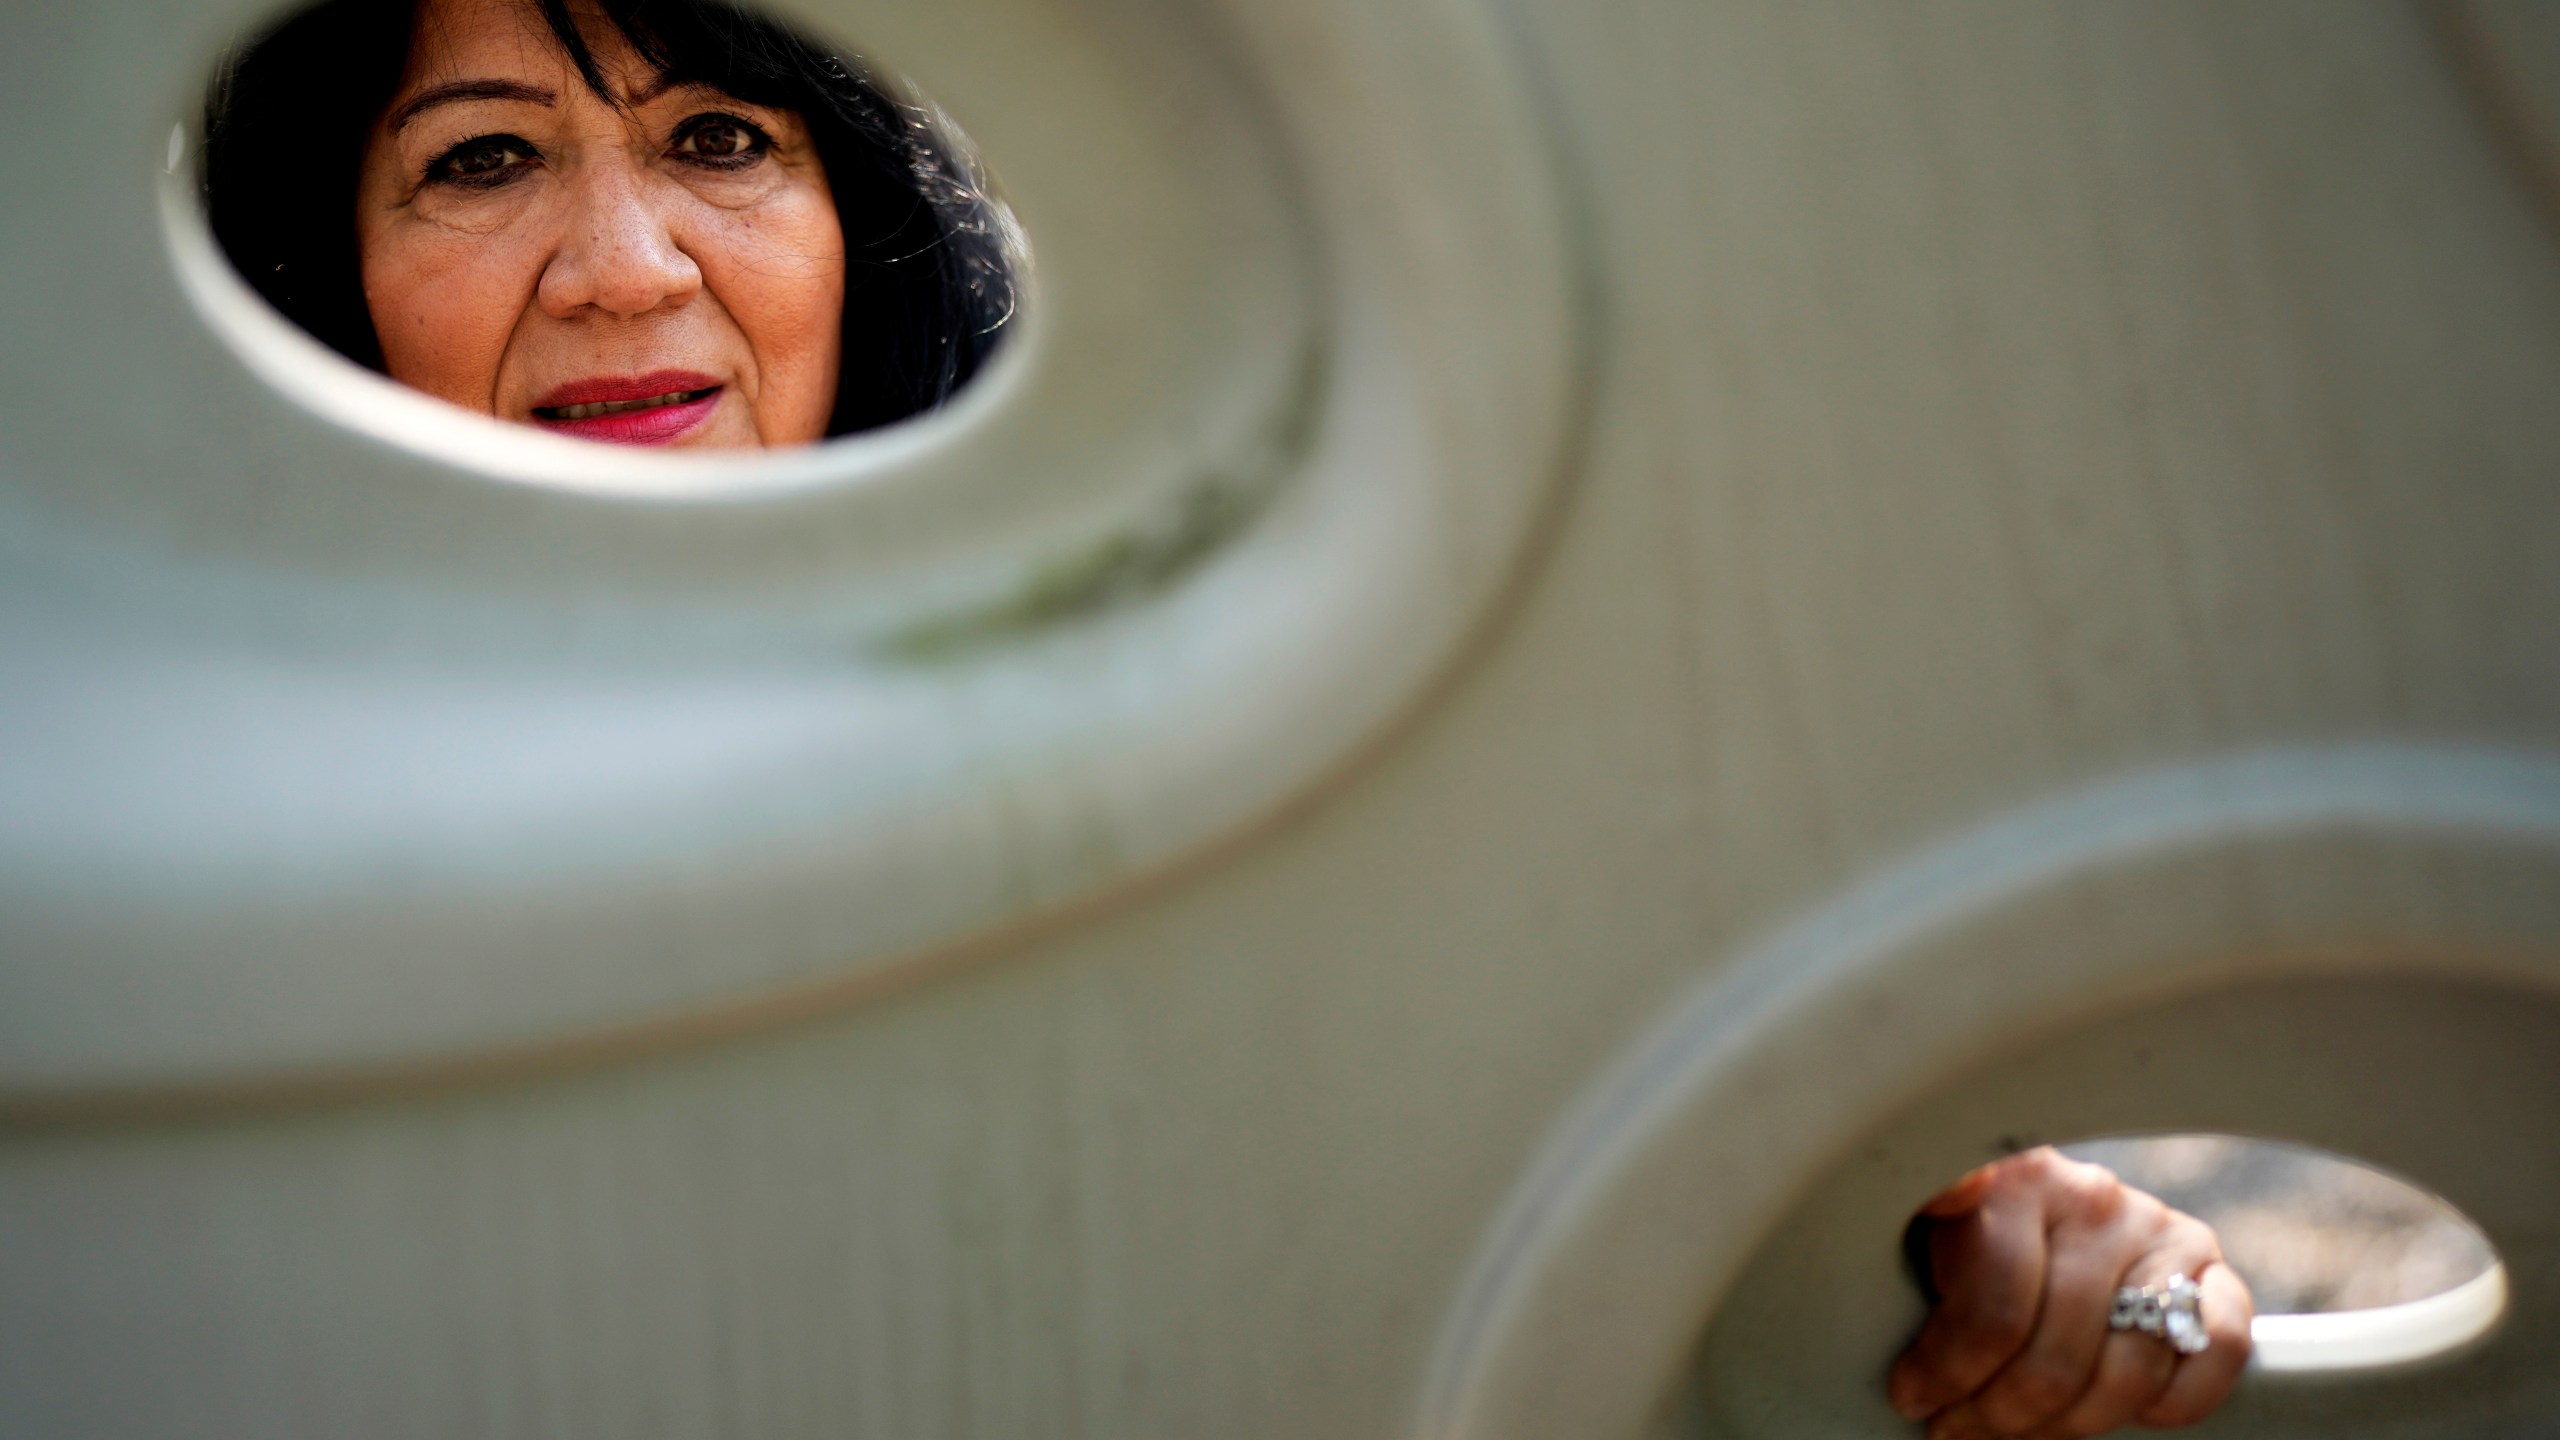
(1960,1421)
(2132,1371)
(2135,1368)
(2092,1247)
(2202,1381)
(1990,1269)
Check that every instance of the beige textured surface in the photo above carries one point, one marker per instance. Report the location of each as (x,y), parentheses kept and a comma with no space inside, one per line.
(1996,397)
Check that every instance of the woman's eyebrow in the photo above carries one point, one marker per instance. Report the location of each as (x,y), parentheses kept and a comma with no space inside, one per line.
(453,92)
(664,83)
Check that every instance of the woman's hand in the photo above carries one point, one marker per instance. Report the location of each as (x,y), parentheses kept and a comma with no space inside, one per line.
(2027,1254)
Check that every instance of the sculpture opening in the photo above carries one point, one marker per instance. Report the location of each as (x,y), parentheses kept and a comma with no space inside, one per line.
(677,225)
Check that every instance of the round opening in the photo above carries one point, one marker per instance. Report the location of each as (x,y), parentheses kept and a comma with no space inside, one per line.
(2311,1231)
(2352,1271)
(2351,1267)
(508,230)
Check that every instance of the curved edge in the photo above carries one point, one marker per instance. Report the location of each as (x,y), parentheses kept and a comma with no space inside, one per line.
(716,1020)
(2339,1342)
(2500,791)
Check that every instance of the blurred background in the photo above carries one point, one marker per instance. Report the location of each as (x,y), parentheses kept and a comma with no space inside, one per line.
(2309,1230)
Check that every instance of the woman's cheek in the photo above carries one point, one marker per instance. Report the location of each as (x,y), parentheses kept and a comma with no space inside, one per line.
(445,302)
(785,287)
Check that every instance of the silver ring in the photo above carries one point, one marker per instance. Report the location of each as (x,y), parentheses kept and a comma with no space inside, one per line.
(2172,1310)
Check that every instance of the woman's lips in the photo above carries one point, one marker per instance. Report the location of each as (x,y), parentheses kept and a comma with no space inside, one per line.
(658,408)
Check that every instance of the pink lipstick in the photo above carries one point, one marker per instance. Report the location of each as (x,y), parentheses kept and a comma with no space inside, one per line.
(658,408)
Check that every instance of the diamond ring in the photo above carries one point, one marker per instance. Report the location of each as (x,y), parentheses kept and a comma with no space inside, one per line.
(2172,1310)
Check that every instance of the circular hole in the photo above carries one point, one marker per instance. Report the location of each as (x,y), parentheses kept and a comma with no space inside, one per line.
(2312,1232)
(676,226)
(2353,1271)
(2352,1268)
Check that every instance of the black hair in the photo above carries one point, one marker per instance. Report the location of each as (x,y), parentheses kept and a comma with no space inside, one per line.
(929,277)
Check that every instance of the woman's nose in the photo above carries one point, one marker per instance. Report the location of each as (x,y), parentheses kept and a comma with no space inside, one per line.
(617,252)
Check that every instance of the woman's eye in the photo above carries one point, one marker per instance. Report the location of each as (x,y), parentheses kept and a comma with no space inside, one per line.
(721,140)
(486,160)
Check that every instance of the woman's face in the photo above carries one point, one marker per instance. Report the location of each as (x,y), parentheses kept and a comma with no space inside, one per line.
(669,271)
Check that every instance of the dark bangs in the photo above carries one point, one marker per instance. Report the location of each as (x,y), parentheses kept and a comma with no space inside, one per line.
(928,281)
